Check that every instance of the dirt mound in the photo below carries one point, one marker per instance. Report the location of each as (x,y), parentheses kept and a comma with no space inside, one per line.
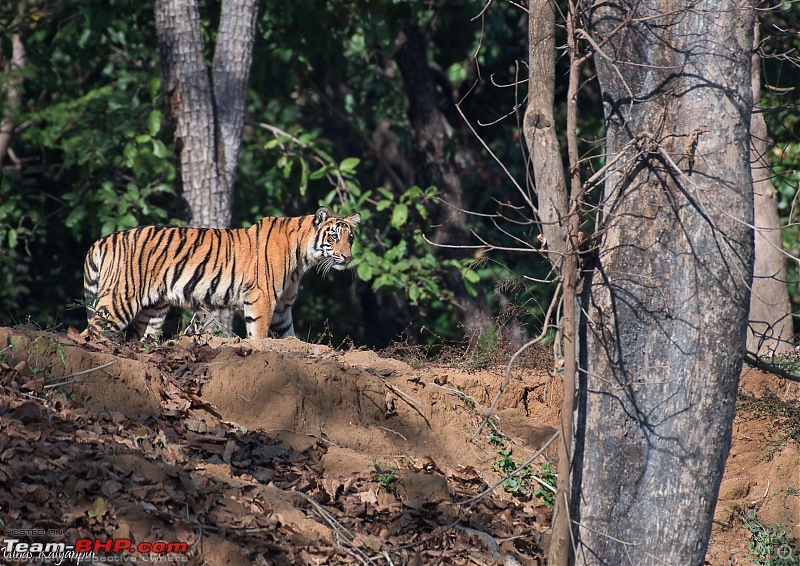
(266,452)
(279,451)
(365,405)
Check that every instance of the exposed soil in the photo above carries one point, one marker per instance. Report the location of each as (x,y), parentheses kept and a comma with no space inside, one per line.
(283,452)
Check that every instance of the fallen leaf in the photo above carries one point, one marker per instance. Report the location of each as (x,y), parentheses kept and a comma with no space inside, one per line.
(99,508)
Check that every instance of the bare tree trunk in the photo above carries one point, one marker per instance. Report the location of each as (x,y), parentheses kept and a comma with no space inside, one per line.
(540,130)
(233,57)
(208,123)
(434,140)
(665,310)
(13,81)
(188,90)
(547,173)
(771,330)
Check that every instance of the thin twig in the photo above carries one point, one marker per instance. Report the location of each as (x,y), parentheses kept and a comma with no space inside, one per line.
(393,432)
(499,162)
(90,370)
(413,403)
(339,530)
(62,383)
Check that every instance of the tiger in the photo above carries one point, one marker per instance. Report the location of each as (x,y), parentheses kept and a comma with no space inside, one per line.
(132,278)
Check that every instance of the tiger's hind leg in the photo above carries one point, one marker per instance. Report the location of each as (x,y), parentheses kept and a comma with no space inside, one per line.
(103,317)
(150,320)
(282,325)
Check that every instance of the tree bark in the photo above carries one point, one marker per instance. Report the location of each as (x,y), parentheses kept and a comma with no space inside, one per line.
(539,128)
(665,309)
(13,81)
(771,330)
(188,91)
(434,141)
(233,57)
(547,174)
(208,123)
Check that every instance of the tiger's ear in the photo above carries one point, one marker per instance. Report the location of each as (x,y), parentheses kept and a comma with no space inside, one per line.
(320,216)
(353,219)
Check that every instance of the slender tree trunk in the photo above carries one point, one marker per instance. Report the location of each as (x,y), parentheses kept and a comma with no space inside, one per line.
(547,174)
(665,310)
(233,57)
(771,330)
(13,80)
(539,128)
(434,141)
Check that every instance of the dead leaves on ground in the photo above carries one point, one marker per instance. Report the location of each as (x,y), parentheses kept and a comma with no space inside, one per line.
(230,493)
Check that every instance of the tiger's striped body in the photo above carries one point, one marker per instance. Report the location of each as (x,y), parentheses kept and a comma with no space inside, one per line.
(134,276)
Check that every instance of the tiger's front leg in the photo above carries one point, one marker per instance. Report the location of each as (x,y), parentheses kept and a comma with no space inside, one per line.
(258,311)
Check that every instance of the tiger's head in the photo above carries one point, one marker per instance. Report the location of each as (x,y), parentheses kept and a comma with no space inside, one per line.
(333,240)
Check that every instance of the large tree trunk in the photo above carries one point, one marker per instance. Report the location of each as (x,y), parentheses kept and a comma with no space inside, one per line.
(771,330)
(208,123)
(665,311)
(434,141)
(188,90)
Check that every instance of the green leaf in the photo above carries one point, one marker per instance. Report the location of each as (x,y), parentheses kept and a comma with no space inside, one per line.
(12,238)
(75,216)
(129,151)
(319,173)
(154,122)
(472,276)
(303,177)
(349,165)
(159,149)
(128,221)
(364,271)
(413,294)
(399,215)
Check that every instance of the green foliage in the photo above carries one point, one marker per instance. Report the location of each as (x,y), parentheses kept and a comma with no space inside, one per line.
(772,545)
(387,477)
(547,475)
(92,154)
(396,253)
(517,481)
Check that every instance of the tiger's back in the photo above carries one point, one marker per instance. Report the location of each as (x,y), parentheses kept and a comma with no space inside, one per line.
(134,276)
